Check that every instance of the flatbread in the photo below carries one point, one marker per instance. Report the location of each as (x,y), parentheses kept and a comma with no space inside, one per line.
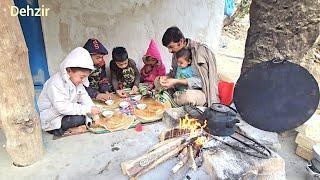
(115,123)
(153,112)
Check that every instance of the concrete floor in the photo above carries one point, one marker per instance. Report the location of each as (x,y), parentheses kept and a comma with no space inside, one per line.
(98,156)
(295,165)
(90,156)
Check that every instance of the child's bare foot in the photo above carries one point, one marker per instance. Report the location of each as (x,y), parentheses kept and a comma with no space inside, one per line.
(76,130)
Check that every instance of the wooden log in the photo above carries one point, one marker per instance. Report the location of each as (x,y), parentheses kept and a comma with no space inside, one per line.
(20,122)
(183,160)
(172,133)
(134,166)
(191,157)
(162,159)
(162,143)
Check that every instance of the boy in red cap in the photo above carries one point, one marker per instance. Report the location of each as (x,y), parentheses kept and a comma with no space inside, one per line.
(98,88)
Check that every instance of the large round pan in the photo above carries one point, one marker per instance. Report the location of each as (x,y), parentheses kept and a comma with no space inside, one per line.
(276,95)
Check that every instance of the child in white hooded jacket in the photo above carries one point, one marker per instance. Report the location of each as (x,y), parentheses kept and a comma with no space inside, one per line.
(64,102)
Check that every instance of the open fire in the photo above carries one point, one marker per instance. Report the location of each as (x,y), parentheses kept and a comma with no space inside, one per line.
(184,142)
(187,142)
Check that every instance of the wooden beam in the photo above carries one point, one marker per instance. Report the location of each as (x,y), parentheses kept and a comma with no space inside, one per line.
(20,122)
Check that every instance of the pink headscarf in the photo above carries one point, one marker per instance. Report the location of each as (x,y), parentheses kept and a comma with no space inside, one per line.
(159,69)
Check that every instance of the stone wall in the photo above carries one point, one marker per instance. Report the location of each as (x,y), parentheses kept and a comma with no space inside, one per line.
(127,23)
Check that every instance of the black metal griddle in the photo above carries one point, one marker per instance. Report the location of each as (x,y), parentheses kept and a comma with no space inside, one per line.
(276,95)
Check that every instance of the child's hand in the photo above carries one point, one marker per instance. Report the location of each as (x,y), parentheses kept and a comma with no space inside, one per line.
(150,86)
(121,93)
(103,96)
(134,90)
(163,80)
(95,110)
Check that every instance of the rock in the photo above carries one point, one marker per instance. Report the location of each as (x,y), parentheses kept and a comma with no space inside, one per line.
(306,141)
(311,127)
(171,116)
(304,153)
(270,139)
(225,163)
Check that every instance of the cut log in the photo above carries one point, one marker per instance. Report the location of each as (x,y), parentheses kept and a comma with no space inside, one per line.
(162,143)
(175,132)
(162,159)
(191,157)
(134,166)
(20,122)
(183,160)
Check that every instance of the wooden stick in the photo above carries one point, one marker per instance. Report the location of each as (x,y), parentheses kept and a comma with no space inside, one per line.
(183,153)
(162,159)
(182,161)
(193,162)
(134,166)
(162,143)
(175,132)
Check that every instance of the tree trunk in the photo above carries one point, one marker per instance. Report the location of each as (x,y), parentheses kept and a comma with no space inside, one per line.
(20,122)
(282,29)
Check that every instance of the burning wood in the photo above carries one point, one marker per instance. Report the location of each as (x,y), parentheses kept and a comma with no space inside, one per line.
(175,132)
(183,156)
(185,141)
(135,166)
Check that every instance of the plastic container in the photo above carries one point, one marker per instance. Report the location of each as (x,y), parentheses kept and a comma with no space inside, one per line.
(225,90)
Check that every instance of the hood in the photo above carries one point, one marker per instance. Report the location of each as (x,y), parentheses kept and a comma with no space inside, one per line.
(153,51)
(79,57)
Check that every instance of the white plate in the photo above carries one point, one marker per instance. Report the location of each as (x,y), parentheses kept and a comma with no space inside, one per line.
(124,104)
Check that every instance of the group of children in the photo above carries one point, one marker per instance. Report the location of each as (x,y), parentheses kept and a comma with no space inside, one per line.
(66,99)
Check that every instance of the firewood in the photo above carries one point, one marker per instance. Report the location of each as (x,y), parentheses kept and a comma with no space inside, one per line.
(193,162)
(134,166)
(182,162)
(172,133)
(162,143)
(162,159)
(183,153)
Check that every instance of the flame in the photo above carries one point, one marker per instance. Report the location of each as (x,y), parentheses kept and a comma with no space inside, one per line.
(201,140)
(195,128)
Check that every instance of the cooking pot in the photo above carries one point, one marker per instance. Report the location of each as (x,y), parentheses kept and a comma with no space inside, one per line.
(221,119)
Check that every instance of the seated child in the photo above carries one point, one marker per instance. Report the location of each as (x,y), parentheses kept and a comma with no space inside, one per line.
(98,88)
(153,65)
(124,73)
(184,69)
(64,103)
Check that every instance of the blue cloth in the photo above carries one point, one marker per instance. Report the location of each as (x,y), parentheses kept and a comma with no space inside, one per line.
(228,7)
(183,73)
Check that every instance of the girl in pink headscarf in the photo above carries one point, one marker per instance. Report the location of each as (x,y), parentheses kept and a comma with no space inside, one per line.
(153,66)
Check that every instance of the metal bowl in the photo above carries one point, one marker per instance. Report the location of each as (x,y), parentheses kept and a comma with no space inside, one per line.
(316,164)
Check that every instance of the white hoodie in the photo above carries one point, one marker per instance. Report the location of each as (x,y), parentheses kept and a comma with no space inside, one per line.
(61,97)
